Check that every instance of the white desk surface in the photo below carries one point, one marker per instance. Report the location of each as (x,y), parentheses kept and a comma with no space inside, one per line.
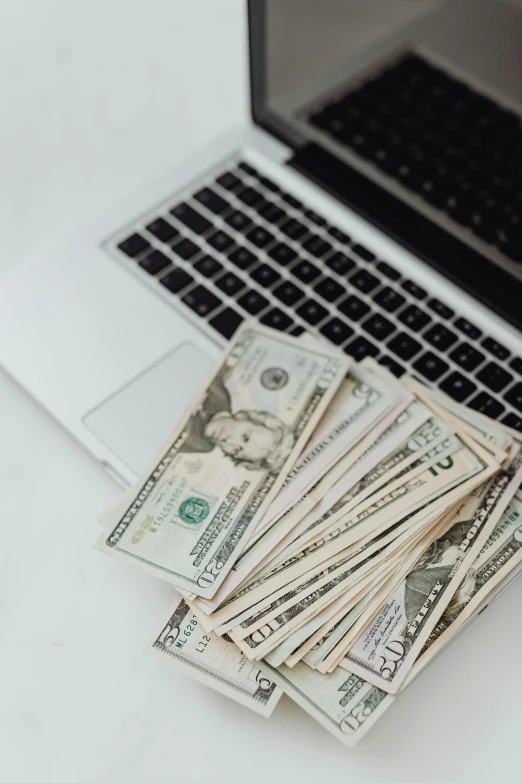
(97,98)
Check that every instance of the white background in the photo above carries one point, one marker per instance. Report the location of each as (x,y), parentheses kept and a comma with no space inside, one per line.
(98,98)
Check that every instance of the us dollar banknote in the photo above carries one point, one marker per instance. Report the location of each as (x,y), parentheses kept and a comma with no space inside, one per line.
(213,660)
(193,511)
(343,703)
(500,555)
(397,501)
(388,647)
(361,400)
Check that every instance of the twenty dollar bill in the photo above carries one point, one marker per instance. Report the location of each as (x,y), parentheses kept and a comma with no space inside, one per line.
(195,508)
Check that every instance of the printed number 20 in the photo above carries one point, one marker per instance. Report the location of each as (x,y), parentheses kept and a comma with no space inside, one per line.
(208,577)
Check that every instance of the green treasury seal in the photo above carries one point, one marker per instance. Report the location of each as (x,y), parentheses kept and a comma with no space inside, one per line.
(194,510)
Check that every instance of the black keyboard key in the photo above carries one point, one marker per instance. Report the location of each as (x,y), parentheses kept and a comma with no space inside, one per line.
(176,280)
(354,308)
(440,309)
(312,312)
(229,283)
(252,302)
(314,217)
(226,322)
(494,377)
(260,237)
(361,347)
(162,230)
(269,185)
(486,404)
(265,275)
(293,229)
(514,396)
(467,357)
(336,331)
(229,181)
(242,258)
(329,289)
(414,289)
(404,346)
(291,200)
(212,201)
(155,262)
(247,169)
(134,245)
(201,301)
(238,220)
(339,235)
(297,331)
(378,326)
(363,252)
(208,266)
(340,264)
(389,299)
(388,271)
(271,213)
(220,241)
(306,271)
(288,293)
(185,248)
(250,196)
(514,421)
(415,318)
(282,254)
(191,218)
(364,281)
(468,329)
(458,387)
(430,366)
(277,319)
(392,365)
(440,337)
(261,204)
(498,350)
(317,246)
(516,364)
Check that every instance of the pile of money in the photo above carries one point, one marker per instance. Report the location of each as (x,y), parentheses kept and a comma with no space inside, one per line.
(328,528)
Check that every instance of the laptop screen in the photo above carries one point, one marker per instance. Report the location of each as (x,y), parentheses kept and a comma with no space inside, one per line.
(409,111)
(308,54)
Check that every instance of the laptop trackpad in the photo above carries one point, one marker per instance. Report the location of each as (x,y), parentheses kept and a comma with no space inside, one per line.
(137,420)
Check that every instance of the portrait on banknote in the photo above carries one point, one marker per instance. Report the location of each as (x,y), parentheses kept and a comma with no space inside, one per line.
(255,439)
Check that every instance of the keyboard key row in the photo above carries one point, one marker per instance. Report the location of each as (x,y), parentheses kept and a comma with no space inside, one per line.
(439,336)
(444,338)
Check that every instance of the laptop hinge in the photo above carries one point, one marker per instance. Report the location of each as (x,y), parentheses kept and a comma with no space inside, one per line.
(462,264)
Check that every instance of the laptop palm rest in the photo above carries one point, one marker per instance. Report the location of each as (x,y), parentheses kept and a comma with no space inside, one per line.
(137,419)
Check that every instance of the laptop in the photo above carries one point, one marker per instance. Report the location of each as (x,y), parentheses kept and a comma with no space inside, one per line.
(374,201)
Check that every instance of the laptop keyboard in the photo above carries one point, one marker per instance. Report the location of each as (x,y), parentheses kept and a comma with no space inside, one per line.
(452,146)
(241,247)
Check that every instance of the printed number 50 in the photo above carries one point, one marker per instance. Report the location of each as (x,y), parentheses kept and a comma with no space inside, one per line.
(395,653)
